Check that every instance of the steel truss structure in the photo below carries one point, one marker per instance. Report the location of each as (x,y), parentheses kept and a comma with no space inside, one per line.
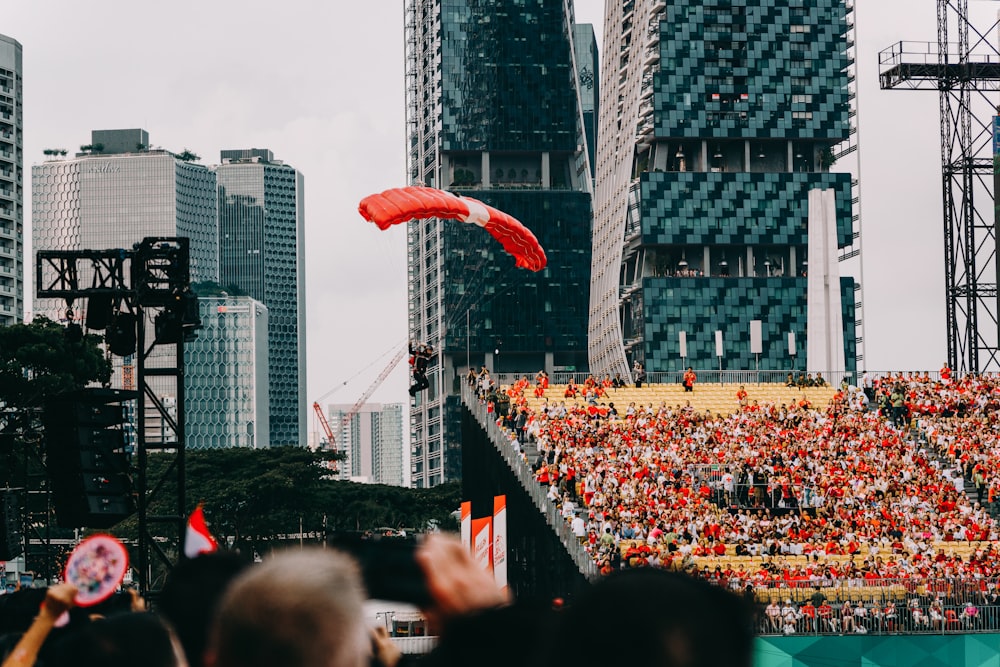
(964,67)
(150,280)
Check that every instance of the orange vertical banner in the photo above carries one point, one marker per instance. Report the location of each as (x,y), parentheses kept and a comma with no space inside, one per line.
(467,525)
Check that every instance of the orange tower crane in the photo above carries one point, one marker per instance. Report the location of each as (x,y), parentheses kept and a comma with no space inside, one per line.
(330,442)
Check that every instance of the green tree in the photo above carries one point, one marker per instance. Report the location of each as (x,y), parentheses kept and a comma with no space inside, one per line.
(255,496)
(38,361)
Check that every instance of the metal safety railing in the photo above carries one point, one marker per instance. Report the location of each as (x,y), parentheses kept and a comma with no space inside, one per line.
(512,455)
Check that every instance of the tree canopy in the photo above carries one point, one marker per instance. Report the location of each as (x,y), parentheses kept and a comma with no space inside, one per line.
(39,360)
(255,496)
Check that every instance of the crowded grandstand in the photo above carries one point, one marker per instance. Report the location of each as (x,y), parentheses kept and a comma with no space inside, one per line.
(866,507)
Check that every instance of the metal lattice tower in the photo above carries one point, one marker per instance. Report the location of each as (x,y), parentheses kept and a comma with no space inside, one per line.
(964,67)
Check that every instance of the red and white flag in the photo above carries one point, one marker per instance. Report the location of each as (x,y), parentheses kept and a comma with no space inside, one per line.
(198,540)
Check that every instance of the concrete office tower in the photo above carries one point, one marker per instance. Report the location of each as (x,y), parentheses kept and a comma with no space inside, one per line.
(717,120)
(11,184)
(117,191)
(373,442)
(493,111)
(226,376)
(262,253)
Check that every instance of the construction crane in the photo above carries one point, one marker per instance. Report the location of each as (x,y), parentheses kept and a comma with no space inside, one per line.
(330,443)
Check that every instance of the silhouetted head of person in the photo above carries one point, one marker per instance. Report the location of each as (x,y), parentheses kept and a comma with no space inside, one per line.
(299,608)
(124,640)
(662,619)
(513,635)
(190,595)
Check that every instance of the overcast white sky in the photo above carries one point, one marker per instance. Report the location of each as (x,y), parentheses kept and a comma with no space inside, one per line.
(320,83)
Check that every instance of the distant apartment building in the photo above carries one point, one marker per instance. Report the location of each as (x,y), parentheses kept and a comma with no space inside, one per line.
(262,254)
(373,441)
(11,184)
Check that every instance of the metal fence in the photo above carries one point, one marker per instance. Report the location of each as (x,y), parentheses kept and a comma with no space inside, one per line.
(887,606)
(715,376)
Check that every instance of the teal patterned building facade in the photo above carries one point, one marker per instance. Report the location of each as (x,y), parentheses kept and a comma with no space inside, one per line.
(226,376)
(494,111)
(717,121)
(262,254)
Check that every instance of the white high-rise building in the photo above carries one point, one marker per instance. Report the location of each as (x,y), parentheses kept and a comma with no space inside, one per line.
(11,184)
(372,440)
(115,192)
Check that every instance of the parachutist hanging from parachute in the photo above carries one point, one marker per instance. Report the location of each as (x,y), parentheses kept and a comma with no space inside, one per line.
(399,205)
(420,356)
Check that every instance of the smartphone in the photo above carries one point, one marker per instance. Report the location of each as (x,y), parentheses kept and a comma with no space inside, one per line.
(388,566)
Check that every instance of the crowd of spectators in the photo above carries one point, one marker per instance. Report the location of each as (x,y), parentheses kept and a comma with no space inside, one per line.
(868,491)
(305,608)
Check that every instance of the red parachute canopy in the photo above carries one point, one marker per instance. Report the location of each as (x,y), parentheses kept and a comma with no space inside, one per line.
(401,204)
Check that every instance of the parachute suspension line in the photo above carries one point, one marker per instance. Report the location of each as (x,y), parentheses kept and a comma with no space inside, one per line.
(459,312)
(478,278)
(483,301)
(388,252)
(399,345)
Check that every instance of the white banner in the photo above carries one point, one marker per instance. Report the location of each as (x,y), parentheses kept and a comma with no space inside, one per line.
(500,541)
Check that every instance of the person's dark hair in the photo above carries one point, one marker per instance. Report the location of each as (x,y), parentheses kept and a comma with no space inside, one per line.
(190,595)
(665,619)
(524,629)
(18,609)
(125,640)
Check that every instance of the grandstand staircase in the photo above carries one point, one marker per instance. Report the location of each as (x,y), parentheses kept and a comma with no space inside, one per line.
(517,461)
(970,487)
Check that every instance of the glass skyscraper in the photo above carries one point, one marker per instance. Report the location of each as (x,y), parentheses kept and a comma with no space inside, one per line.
(715,205)
(11,184)
(226,376)
(262,253)
(493,111)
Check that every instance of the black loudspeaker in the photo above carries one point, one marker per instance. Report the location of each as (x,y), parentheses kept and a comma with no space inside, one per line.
(10,524)
(86,460)
(120,336)
(100,311)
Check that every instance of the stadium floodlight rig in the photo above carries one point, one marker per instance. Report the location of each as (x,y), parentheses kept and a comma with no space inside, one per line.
(964,67)
(151,279)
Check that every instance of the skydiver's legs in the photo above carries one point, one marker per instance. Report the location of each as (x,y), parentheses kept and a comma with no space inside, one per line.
(420,383)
